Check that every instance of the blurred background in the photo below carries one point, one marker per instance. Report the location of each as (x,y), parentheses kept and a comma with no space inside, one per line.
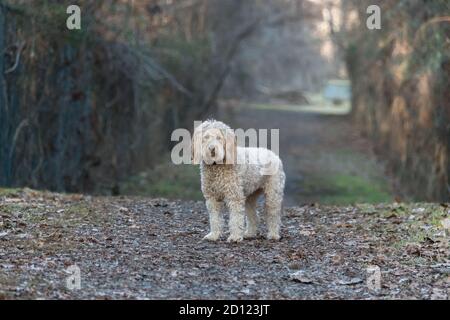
(363,114)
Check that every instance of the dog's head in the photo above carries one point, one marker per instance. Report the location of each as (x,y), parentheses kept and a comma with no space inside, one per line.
(213,143)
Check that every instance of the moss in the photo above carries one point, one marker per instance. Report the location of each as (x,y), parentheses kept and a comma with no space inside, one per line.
(421,222)
(10,209)
(76,213)
(78,210)
(8,192)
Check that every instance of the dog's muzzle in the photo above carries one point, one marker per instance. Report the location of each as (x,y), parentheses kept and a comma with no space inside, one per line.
(213,154)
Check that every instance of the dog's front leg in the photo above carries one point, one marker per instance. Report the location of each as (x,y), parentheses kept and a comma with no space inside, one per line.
(237,219)
(215,219)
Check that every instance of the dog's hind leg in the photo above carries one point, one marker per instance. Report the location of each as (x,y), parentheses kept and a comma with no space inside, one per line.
(273,217)
(251,216)
(273,205)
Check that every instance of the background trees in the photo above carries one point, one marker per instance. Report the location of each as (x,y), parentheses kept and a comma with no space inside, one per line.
(79,110)
(401,98)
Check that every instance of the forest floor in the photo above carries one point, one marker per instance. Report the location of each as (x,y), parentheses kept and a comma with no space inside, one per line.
(139,248)
(148,248)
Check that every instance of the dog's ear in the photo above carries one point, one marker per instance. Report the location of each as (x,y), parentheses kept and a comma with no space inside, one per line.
(196,146)
(230,147)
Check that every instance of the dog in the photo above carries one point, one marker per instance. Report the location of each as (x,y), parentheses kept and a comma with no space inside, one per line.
(236,177)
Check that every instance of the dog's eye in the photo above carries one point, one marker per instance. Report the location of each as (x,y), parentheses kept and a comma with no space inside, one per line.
(206,136)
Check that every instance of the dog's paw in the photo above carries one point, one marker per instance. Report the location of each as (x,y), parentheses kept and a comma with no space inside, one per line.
(273,236)
(250,235)
(212,236)
(235,238)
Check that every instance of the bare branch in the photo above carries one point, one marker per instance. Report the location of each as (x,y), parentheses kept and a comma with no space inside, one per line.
(19,49)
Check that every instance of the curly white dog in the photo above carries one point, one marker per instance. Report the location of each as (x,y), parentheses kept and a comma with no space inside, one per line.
(236,177)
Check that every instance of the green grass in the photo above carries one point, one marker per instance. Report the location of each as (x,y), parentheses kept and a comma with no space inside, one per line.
(324,108)
(167,181)
(342,177)
(344,189)
(318,105)
(355,189)
(183,182)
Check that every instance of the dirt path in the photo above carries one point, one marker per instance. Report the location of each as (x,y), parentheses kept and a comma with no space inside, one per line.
(152,248)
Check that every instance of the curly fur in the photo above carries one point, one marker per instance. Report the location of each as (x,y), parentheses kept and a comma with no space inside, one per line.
(235,178)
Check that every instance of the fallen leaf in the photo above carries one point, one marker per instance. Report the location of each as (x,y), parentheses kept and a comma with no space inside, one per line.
(306,233)
(412,248)
(300,276)
(349,282)
(337,259)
